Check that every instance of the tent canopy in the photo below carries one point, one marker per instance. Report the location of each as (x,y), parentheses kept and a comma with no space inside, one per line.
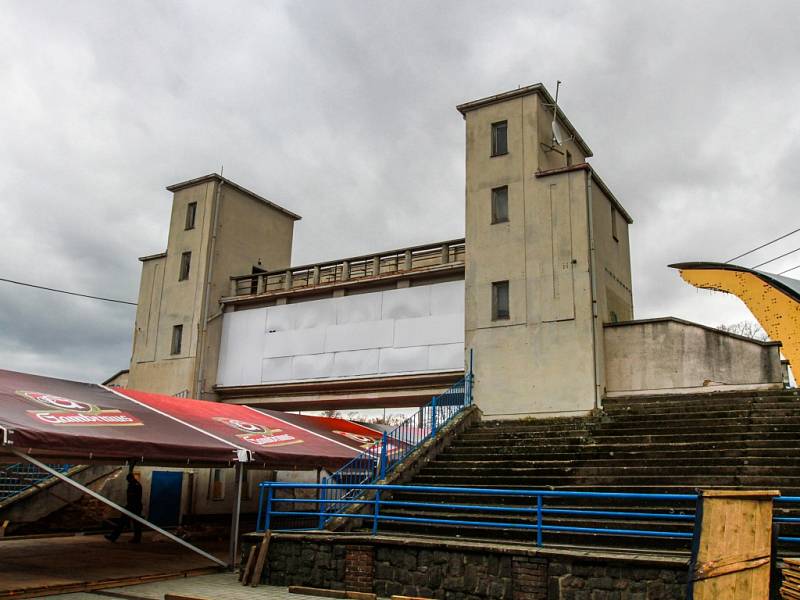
(59,420)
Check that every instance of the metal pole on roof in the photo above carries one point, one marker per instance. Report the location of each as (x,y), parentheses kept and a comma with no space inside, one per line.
(116,506)
(237,510)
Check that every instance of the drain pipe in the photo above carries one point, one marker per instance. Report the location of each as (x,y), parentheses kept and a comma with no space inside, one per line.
(207,299)
(593,285)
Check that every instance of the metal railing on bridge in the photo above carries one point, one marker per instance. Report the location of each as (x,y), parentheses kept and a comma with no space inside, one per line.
(393,262)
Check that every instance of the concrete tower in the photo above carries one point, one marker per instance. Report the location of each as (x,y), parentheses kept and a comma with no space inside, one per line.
(217,228)
(548,259)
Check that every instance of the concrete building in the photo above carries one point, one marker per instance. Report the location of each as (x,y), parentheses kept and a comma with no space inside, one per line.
(534,290)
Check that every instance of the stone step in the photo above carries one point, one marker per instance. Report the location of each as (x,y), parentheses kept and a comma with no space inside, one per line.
(629,421)
(677,471)
(534,481)
(490,463)
(689,427)
(614,444)
(690,459)
(689,407)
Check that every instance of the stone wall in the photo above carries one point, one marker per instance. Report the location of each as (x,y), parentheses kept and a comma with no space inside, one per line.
(451,570)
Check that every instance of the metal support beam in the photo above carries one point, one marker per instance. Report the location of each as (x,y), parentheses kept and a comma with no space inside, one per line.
(124,511)
(237,509)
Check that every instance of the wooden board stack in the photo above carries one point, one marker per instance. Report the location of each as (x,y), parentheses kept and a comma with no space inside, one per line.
(790,586)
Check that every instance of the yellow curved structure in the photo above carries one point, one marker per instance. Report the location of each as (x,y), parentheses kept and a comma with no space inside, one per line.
(773,300)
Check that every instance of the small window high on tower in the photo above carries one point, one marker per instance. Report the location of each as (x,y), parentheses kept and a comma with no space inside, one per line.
(191,213)
(499,138)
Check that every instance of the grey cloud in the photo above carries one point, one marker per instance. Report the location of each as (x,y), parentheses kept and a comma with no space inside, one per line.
(344,112)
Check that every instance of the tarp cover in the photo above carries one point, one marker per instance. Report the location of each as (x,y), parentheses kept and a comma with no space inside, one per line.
(82,422)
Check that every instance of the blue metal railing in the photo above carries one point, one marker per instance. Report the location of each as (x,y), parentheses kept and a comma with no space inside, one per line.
(788,520)
(378,460)
(317,509)
(16,478)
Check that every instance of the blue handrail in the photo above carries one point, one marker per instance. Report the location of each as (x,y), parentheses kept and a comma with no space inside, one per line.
(322,508)
(380,459)
(795,520)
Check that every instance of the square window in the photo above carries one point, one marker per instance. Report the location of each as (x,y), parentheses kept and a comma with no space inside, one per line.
(186,263)
(500,138)
(177,338)
(191,212)
(500,301)
(500,204)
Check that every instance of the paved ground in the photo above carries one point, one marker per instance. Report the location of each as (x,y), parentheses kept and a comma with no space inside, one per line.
(42,566)
(221,586)
(212,587)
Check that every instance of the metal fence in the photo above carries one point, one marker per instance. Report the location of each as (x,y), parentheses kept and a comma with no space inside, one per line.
(779,511)
(536,510)
(378,460)
(18,477)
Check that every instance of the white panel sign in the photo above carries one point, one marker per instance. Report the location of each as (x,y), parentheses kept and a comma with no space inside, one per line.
(359,336)
(358,362)
(426,331)
(407,330)
(403,360)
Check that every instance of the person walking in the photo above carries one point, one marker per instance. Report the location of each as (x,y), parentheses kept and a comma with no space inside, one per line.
(134,505)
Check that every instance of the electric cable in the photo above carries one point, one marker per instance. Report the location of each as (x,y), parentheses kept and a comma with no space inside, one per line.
(766,262)
(762,246)
(791,269)
(49,289)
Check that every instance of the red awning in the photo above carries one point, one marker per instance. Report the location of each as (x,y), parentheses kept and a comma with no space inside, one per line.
(79,422)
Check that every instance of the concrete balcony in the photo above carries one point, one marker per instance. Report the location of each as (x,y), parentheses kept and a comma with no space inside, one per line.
(427,261)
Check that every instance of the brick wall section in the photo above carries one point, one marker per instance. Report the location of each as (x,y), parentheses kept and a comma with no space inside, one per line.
(529,578)
(359,569)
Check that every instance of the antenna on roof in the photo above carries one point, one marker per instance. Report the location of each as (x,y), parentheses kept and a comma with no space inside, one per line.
(557,138)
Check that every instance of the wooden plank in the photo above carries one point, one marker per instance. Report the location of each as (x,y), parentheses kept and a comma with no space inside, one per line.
(181,597)
(263,550)
(361,595)
(251,557)
(322,593)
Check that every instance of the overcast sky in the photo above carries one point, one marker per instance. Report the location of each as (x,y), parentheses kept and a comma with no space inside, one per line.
(345,113)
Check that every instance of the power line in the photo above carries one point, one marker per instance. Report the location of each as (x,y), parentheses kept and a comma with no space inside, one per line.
(776,258)
(787,270)
(49,289)
(762,246)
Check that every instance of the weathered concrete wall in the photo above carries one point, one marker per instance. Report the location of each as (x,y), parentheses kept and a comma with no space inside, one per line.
(452,570)
(670,355)
(543,252)
(248,231)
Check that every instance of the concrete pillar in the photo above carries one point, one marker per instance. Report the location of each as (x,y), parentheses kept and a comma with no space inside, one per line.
(345,270)
(376,266)
(261,283)
(287,281)
(445,253)
(315,276)
(408,263)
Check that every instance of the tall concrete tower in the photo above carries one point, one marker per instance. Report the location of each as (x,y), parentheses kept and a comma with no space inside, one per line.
(548,259)
(217,228)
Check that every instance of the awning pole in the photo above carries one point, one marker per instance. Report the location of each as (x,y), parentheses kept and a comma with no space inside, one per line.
(124,511)
(237,509)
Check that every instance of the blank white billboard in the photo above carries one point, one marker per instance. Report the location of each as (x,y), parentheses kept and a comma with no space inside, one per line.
(407,330)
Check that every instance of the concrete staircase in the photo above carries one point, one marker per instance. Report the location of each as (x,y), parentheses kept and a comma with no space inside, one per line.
(654,444)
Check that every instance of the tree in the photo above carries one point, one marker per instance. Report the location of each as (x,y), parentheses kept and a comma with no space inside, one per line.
(749,329)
